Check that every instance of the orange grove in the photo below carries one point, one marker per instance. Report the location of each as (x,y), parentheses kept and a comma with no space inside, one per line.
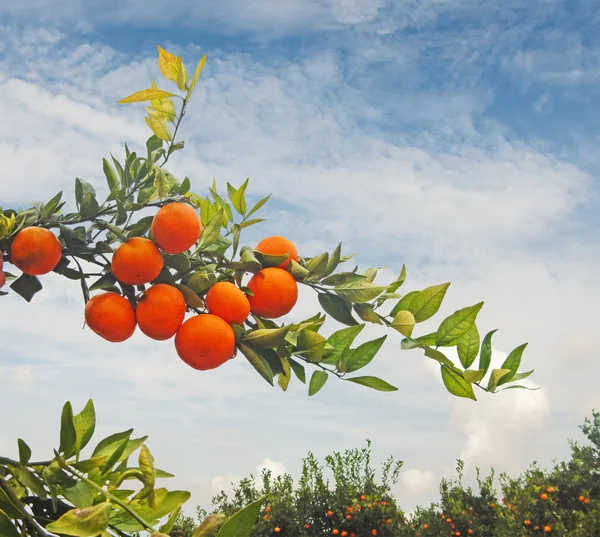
(137,261)
(35,251)
(278,245)
(227,301)
(176,227)
(160,311)
(111,316)
(205,341)
(275,293)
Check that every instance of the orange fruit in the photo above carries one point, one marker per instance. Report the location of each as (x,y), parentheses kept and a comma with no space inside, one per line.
(457,534)
(35,251)
(277,245)
(527,522)
(329,513)
(550,490)
(344,533)
(2,279)
(547,529)
(348,517)
(205,341)
(267,509)
(277,529)
(266,517)
(426,526)
(582,498)
(306,526)
(349,509)
(543,496)
(470,531)
(275,293)
(176,227)
(111,316)
(137,261)
(373,531)
(335,531)
(383,502)
(160,311)
(227,300)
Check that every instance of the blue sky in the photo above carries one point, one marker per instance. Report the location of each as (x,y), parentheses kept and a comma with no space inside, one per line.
(456,137)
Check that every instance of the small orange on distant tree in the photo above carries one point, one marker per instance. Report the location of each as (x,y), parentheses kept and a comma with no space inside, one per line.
(137,261)
(275,293)
(267,509)
(426,526)
(176,227)
(527,522)
(547,528)
(363,498)
(278,245)
(348,517)
(329,513)
(344,534)
(205,341)
(373,531)
(582,498)
(349,509)
(266,517)
(335,531)
(35,251)
(228,301)
(543,496)
(457,534)
(306,526)
(160,311)
(550,490)
(277,529)
(111,316)
(470,531)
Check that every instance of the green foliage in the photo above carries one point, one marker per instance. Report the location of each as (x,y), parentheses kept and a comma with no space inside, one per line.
(85,497)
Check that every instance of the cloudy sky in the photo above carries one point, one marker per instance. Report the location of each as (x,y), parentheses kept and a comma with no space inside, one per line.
(454,136)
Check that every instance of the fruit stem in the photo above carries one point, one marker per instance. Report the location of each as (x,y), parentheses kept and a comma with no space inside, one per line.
(172,142)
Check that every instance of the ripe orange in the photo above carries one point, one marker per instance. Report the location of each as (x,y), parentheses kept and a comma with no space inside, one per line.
(35,251)
(547,529)
(329,513)
(543,496)
(176,227)
(2,279)
(205,341)
(277,245)
(306,526)
(349,509)
(160,312)
(137,261)
(470,531)
(582,498)
(335,531)
(267,509)
(275,293)
(527,522)
(363,498)
(373,531)
(425,526)
(550,490)
(344,533)
(277,529)
(227,300)
(111,316)
(348,517)
(457,534)
(383,502)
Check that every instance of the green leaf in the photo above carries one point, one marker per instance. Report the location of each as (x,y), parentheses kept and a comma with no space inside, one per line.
(311,345)
(104,282)
(87,522)
(520,376)
(267,260)
(333,261)
(26,286)
(238,197)
(283,378)
(426,303)
(374,383)
(85,198)
(24,452)
(512,363)
(457,324)
(366,313)
(403,303)
(268,338)
(185,186)
(343,278)
(495,377)
(401,279)
(298,370)
(149,94)
(258,205)
(473,376)
(363,354)
(7,529)
(439,356)
(81,495)
(317,266)
(242,523)
(9,508)
(298,271)
(109,445)
(112,179)
(485,357)
(416,343)
(28,479)
(191,298)
(468,347)
(68,435)
(212,230)
(455,383)
(362,291)
(337,308)
(404,322)
(85,424)
(200,281)
(258,362)
(317,381)
(178,262)
(340,340)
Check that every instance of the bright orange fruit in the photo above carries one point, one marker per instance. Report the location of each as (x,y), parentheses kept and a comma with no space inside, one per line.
(160,311)
(137,261)
(275,293)
(227,300)
(35,251)
(111,316)
(176,227)
(205,341)
(278,245)
(2,279)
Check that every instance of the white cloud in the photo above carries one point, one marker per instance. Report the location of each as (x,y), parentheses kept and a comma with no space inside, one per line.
(419,482)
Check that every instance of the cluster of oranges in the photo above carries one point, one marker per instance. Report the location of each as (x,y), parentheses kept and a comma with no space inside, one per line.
(203,341)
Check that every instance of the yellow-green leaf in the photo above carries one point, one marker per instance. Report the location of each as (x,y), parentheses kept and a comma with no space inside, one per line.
(167,63)
(196,76)
(404,322)
(88,522)
(158,123)
(209,524)
(182,76)
(149,94)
